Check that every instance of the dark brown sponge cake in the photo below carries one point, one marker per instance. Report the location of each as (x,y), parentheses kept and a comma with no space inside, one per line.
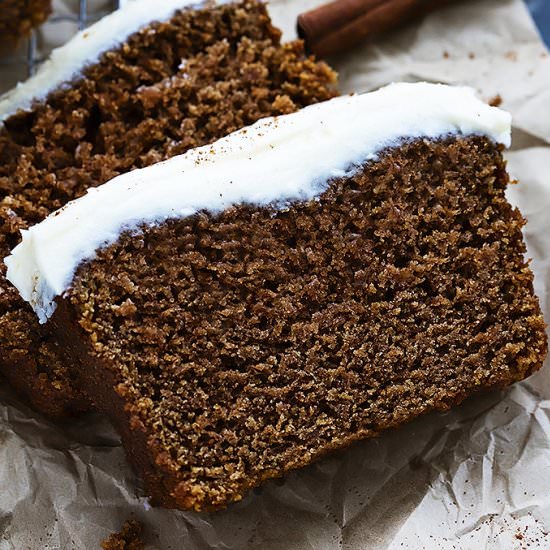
(19,17)
(232,348)
(169,87)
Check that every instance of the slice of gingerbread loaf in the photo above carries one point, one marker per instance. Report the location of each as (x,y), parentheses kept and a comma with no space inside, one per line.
(124,94)
(314,279)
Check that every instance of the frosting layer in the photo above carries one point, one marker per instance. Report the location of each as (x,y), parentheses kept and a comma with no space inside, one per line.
(274,162)
(87,46)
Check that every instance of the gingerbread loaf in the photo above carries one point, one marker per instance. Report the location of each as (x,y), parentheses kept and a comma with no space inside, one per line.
(123,94)
(314,279)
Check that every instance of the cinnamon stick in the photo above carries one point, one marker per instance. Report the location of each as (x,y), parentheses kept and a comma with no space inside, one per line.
(343,24)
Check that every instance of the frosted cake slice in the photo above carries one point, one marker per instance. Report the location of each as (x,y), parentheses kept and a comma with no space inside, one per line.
(314,279)
(138,87)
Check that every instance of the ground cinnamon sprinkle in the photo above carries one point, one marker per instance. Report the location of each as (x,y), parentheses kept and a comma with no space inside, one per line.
(496,101)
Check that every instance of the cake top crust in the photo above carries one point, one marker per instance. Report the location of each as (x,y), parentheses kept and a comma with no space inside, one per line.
(87,46)
(276,161)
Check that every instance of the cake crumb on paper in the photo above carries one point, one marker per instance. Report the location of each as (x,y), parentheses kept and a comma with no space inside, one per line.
(129,538)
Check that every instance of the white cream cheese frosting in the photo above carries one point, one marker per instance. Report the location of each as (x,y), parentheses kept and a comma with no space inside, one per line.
(275,161)
(86,47)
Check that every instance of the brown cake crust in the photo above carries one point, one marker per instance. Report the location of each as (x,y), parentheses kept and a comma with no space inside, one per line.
(19,17)
(194,79)
(230,349)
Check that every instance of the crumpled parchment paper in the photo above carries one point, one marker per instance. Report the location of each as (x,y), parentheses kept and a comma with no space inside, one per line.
(477,477)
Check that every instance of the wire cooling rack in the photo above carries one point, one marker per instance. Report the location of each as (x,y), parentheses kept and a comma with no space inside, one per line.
(25,61)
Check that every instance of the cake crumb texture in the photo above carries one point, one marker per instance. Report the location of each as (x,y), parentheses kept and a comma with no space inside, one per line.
(233,348)
(170,87)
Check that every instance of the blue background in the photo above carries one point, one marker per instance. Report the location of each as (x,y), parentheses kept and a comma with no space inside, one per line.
(541,12)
